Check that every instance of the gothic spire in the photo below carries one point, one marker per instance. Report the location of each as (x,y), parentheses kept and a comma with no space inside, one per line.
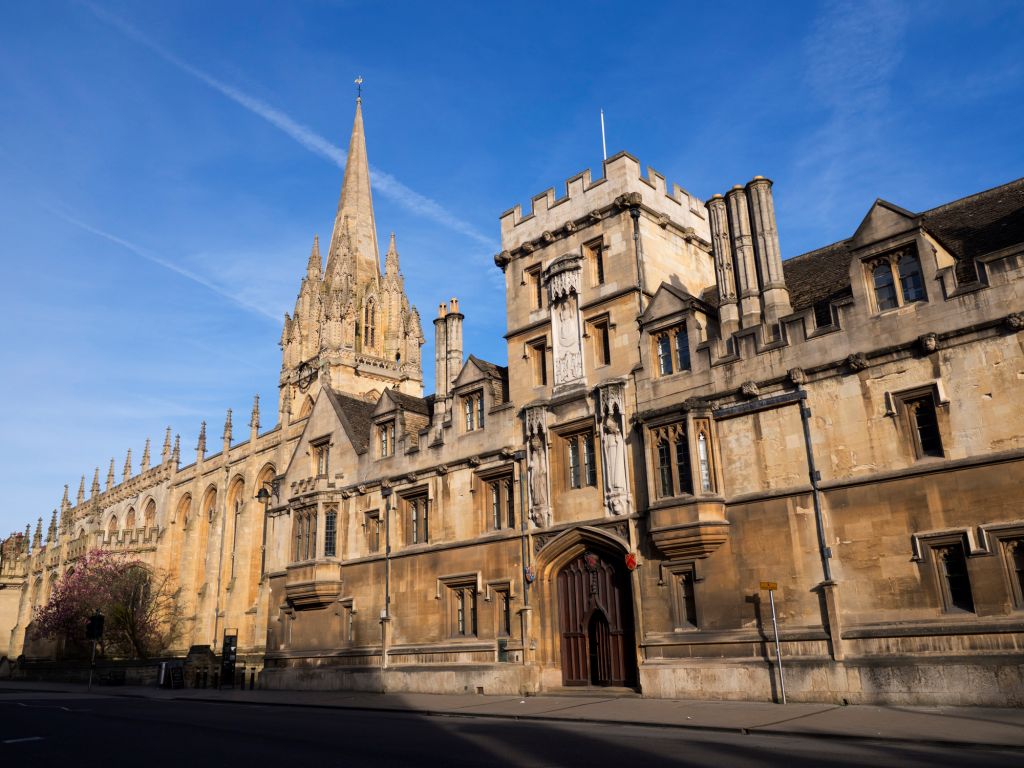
(145,456)
(313,266)
(65,502)
(165,454)
(254,419)
(128,466)
(227,430)
(110,474)
(176,453)
(355,207)
(201,447)
(80,498)
(391,268)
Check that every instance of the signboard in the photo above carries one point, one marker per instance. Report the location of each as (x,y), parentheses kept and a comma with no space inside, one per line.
(769,585)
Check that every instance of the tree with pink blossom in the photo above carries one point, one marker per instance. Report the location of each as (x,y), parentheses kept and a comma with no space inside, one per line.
(141,607)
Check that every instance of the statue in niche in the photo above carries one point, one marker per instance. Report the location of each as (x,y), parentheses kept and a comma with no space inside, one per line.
(568,362)
(614,464)
(538,481)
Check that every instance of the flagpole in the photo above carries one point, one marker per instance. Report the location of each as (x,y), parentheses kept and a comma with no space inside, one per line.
(604,146)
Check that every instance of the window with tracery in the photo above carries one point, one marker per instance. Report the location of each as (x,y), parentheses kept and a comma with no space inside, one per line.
(897,279)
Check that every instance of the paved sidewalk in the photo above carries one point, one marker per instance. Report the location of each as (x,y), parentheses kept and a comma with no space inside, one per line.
(974,726)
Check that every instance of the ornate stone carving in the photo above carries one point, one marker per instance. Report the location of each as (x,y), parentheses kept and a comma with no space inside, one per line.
(750,389)
(928,343)
(798,376)
(857,362)
(570,227)
(612,430)
(594,216)
(694,404)
(562,278)
(1015,321)
(528,247)
(628,200)
(547,237)
(441,469)
(537,466)
(473,461)
(361,489)
(502,259)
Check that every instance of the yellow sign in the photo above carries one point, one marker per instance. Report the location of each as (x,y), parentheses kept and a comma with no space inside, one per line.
(769,585)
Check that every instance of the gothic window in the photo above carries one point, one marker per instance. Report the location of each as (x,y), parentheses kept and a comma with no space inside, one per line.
(1014,552)
(672,461)
(897,279)
(954,580)
(304,530)
(922,424)
(386,439)
(580,464)
(321,452)
(601,339)
(372,525)
(885,290)
(129,520)
(369,324)
(704,461)
(672,349)
(911,282)
(149,516)
(501,502)
(503,607)
(536,351)
(462,609)
(536,284)
(330,533)
(417,519)
(683,580)
(823,314)
(473,411)
(594,252)
(112,527)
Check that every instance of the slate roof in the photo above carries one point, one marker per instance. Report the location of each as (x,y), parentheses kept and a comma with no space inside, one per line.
(410,402)
(969,227)
(354,415)
(493,370)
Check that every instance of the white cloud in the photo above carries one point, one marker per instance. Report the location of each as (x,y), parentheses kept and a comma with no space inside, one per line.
(384,182)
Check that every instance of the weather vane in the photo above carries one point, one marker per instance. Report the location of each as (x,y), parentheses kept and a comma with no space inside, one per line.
(359,86)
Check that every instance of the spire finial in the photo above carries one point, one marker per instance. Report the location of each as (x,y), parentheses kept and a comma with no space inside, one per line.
(80,496)
(359,88)
(145,456)
(95,482)
(165,454)
(227,428)
(128,466)
(201,447)
(254,420)
(110,474)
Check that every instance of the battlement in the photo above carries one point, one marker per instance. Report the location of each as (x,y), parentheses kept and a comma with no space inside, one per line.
(583,196)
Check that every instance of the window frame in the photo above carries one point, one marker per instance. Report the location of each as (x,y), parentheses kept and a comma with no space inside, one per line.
(671,349)
(580,459)
(473,411)
(416,514)
(594,251)
(599,330)
(386,438)
(903,406)
(460,595)
(683,581)
(884,272)
(331,531)
(535,280)
(937,547)
(320,452)
(537,354)
(371,521)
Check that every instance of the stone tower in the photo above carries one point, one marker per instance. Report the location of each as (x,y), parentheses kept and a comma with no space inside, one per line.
(352,328)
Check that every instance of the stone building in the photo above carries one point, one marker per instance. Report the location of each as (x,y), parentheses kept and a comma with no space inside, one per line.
(685,418)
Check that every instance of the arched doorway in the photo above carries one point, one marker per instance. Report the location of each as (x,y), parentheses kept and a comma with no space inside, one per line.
(595,621)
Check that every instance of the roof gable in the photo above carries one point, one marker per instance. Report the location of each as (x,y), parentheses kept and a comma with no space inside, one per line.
(667,300)
(476,370)
(884,220)
(354,415)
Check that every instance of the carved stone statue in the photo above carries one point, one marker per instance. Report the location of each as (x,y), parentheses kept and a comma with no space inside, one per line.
(539,509)
(613,447)
(568,356)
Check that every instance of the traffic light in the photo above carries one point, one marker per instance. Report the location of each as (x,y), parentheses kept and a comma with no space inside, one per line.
(94,627)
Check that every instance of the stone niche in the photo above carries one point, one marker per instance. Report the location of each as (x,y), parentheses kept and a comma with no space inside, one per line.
(689,529)
(312,585)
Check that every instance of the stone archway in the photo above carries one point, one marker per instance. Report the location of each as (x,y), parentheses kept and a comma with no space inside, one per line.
(586,599)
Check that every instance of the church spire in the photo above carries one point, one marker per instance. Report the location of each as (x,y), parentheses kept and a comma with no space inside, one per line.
(313,265)
(356,209)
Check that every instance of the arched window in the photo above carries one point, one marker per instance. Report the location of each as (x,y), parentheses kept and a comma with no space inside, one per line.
(885,289)
(129,520)
(307,407)
(184,510)
(910,279)
(149,516)
(112,527)
(236,503)
(369,323)
(209,505)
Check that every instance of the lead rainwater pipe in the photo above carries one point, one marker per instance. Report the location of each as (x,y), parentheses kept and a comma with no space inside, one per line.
(815,476)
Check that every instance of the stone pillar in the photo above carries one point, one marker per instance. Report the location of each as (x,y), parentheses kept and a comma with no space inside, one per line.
(728,312)
(746,265)
(775,296)
(453,321)
(441,353)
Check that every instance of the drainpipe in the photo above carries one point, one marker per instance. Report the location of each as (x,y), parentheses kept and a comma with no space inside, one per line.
(385,618)
(519,456)
(638,249)
(823,548)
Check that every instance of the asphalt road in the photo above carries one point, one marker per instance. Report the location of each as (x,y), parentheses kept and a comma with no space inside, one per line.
(80,731)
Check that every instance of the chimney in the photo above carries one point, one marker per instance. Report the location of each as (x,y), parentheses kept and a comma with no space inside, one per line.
(728,312)
(441,353)
(453,333)
(775,295)
(746,263)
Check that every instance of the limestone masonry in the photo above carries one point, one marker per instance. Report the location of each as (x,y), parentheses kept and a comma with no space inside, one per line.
(684,416)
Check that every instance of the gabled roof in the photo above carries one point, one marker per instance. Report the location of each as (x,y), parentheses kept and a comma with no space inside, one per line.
(668,299)
(492,370)
(969,227)
(355,416)
(401,400)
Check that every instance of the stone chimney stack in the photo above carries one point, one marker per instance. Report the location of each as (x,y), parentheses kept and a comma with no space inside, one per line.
(453,331)
(774,293)
(746,262)
(441,353)
(721,246)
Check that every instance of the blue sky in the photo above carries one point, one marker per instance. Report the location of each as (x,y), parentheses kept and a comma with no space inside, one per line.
(164,167)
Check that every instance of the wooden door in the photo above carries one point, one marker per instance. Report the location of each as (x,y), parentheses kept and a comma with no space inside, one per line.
(595,616)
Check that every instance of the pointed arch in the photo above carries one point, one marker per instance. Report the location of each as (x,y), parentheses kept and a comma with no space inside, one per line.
(149,514)
(307,407)
(129,519)
(571,543)
(183,511)
(208,507)
(370,323)
(112,527)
